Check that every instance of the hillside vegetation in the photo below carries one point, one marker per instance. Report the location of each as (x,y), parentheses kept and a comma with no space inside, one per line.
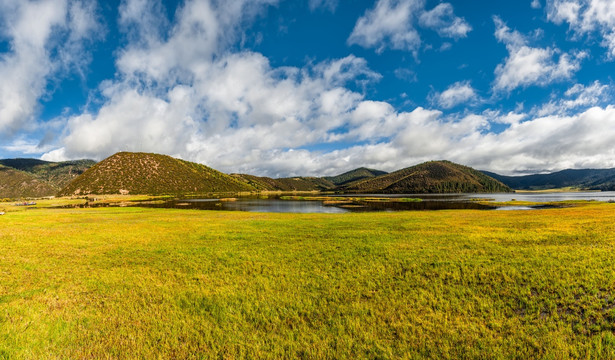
(37,178)
(262,183)
(590,179)
(20,184)
(430,177)
(152,174)
(354,175)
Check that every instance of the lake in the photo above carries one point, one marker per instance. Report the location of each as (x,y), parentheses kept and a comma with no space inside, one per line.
(429,202)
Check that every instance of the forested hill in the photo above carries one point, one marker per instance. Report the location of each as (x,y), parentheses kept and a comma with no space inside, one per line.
(56,174)
(354,175)
(430,177)
(20,184)
(23,178)
(590,179)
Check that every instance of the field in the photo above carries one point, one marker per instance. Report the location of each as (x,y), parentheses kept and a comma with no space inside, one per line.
(163,283)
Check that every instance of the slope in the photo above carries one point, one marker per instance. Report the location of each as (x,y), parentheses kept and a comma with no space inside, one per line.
(17,184)
(262,183)
(591,179)
(354,175)
(56,174)
(152,174)
(430,177)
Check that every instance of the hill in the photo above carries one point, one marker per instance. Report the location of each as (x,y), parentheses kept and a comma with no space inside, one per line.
(56,174)
(306,183)
(354,175)
(430,177)
(590,179)
(152,174)
(286,184)
(18,184)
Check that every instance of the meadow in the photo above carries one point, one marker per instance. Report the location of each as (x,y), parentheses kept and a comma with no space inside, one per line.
(126,283)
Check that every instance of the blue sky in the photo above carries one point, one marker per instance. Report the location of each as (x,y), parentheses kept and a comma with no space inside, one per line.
(314,87)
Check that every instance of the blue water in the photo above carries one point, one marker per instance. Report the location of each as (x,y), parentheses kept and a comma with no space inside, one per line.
(429,202)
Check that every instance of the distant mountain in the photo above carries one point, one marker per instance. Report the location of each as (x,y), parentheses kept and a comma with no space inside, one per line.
(430,177)
(146,173)
(354,175)
(56,174)
(304,183)
(590,179)
(286,184)
(20,184)
(152,174)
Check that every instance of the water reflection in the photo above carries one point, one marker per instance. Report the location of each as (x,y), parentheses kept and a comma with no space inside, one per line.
(356,204)
(314,206)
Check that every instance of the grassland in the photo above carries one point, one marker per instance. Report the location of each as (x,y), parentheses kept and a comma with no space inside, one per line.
(164,283)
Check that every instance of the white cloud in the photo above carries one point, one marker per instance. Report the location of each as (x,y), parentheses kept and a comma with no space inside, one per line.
(577,97)
(45,38)
(405,74)
(234,111)
(456,94)
(586,17)
(391,24)
(330,5)
(536,4)
(229,110)
(586,95)
(526,65)
(443,20)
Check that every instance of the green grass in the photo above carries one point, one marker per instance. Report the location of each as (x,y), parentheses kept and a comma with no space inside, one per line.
(156,283)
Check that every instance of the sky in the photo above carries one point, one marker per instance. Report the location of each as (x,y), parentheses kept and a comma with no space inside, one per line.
(311,87)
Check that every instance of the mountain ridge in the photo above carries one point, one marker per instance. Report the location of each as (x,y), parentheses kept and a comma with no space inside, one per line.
(589,179)
(147,173)
(23,177)
(430,177)
(354,175)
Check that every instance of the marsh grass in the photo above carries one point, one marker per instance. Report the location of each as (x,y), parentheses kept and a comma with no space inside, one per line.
(165,283)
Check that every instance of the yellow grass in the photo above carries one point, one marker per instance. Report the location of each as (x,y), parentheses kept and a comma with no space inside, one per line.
(164,283)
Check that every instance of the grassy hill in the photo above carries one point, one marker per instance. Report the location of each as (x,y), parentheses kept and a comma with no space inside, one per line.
(591,179)
(17,184)
(305,183)
(152,174)
(286,184)
(56,174)
(354,175)
(430,177)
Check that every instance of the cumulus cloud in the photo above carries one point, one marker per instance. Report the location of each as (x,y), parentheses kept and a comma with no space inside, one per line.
(46,37)
(443,20)
(391,24)
(536,4)
(586,17)
(458,93)
(179,94)
(526,65)
(183,92)
(577,97)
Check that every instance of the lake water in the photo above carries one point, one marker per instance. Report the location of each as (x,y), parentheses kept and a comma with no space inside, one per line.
(429,202)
